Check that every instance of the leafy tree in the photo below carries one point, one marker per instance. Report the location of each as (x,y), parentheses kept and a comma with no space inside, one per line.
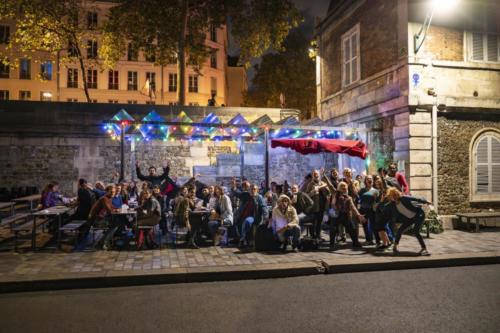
(166,28)
(290,72)
(50,27)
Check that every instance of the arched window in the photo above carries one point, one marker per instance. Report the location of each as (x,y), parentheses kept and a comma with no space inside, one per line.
(485,166)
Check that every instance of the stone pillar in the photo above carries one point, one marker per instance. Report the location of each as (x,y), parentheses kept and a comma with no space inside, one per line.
(420,152)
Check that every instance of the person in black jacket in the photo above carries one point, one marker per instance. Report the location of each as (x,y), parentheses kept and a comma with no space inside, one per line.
(85,200)
(405,210)
(153,178)
(303,204)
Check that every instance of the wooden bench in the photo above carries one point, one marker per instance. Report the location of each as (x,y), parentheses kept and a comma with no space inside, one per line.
(73,227)
(28,226)
(11,220)
(470,217)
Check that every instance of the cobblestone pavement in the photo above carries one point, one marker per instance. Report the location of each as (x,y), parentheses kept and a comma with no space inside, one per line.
(58,262)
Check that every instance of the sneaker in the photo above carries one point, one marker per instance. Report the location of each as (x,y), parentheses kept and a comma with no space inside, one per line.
(424,252)
(370,243)
(381,247)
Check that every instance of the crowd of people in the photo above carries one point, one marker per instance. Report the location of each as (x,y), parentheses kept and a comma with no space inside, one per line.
(294,214)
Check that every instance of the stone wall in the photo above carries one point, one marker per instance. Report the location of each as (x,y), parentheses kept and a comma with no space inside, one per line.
(453,156)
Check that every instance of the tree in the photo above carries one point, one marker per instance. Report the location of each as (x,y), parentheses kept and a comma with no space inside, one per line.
(50,27)
(164,28)
(290,72)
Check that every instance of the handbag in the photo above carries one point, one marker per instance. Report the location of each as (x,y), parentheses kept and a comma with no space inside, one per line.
(333,213)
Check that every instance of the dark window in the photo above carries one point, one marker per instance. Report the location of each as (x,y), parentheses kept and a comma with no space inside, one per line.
(132,54)
(150,102)
(213,59)
(113,80)
(193,83)
(213,33)
(132,81)
(46,70)
(4,71)
(24,95)
(72,51)
(132,102)
(4,95)
(91,20)
(25,69)
(4,34)
(91,49)
(92,78)
(172,82)
(72,78)
(72,100)
(113,101)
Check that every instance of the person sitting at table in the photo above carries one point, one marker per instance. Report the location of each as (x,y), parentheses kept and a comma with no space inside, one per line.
(117,200)
(99,190)
(244,215)
(102,209)
(153,178)
(184,205)
(84,200)
(163,205)
(149,214)
(50,195)
(124,192)
(285,222)
(221,214)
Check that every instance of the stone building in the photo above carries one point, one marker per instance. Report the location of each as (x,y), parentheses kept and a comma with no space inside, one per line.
(438,107)
(124,83)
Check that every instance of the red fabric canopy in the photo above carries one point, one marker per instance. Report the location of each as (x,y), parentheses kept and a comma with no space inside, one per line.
(314,146)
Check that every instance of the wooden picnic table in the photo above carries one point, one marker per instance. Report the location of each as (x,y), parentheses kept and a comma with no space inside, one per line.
(469,217)
(56,211)
(30,198)
(7,205)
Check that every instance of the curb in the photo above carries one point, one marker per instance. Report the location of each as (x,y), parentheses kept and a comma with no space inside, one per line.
(244,272)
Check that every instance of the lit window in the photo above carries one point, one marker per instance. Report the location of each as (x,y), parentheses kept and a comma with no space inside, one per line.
(92,49)
(72,78)
(46,70)
(45,96)
(132,81)
(113,80)
(172,82)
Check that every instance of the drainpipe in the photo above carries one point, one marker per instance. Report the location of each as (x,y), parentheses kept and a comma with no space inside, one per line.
(435,155)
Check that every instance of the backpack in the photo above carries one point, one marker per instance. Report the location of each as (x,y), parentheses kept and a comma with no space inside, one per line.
(264,239)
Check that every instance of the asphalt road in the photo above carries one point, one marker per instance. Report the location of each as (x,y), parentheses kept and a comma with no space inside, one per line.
(460,299)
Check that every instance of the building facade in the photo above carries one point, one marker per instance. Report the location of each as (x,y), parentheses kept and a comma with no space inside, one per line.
(437,108)
(44,79)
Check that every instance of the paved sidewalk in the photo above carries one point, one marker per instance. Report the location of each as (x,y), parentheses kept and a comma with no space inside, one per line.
(217,262)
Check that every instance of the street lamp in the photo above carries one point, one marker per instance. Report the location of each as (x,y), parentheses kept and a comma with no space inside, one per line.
(435,6)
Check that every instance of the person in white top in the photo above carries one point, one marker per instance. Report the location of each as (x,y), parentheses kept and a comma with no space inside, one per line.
(285,222)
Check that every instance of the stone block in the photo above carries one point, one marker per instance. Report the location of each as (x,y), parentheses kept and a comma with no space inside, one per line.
(420,143)
(427,194)
(229,171)
(401,119)
(421,183)
(420,118)
(420,170)
(228,159)
(420,130)
(400,156)
(420,156)
(400,132)
(401,144)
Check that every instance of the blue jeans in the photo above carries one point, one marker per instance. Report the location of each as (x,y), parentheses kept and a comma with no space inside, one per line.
(294,233)
(246,226)
(214,225)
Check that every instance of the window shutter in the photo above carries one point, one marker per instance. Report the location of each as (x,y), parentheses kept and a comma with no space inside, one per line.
(477,46)
(495,165)
(482,166)
(346,66)
(492,47)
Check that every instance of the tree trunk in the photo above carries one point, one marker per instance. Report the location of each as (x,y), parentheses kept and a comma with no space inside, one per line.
(181,57)
(84,77)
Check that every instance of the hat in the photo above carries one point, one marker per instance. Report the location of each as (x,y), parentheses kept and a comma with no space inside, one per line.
(284,198)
